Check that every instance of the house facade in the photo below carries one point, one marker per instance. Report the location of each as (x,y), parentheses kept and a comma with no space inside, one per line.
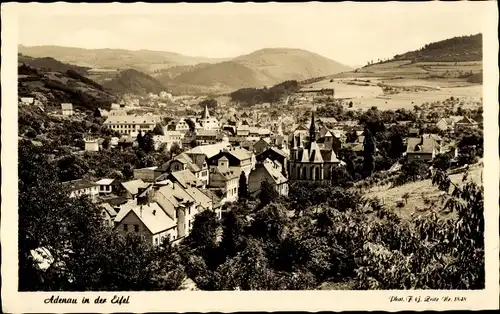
(82,187)
(67,109)
(147,221)
(226,179)
(423,148)
(239,159)
(127,124)
(272,173)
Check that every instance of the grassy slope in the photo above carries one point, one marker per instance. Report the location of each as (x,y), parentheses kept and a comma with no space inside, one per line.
(417,191)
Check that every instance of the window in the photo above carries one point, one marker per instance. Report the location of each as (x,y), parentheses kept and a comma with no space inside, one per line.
(125,227)
(156,241)
(136,227)
(189,211)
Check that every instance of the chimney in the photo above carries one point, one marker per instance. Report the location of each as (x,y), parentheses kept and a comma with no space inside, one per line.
(141,211)
(154,212)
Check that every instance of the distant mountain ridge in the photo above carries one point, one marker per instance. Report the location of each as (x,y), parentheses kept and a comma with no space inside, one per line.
(260,68)
(133,81)
(141,60)
(181,73)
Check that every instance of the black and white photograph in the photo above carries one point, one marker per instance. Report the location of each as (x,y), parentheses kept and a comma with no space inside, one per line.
(262,147)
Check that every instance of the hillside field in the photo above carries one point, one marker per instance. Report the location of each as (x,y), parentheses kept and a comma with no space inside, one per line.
(418,191)
(416,83)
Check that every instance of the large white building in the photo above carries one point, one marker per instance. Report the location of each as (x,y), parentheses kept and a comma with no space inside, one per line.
(127,124)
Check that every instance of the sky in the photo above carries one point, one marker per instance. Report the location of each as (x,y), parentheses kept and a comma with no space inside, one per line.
(349,32)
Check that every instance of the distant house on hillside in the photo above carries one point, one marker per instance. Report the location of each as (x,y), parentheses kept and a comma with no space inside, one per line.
(91,144)
(82,187)
(422,148)
(466,122)
(446,124)
(67,109)
(27,100)
(107,186)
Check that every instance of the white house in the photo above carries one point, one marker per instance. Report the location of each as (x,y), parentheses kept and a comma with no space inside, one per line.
(67,109)
(82,187)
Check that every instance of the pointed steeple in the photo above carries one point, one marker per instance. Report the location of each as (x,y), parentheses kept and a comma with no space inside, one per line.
(206,114)
(312,129)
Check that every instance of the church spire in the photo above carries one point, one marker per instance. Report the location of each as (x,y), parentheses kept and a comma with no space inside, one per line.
(312,129)
(206,114)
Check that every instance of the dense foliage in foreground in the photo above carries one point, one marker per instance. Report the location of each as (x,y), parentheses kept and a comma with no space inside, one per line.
(334,240)
(321,234)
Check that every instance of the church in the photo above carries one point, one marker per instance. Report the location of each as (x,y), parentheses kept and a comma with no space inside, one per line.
(207,122)
(311,162)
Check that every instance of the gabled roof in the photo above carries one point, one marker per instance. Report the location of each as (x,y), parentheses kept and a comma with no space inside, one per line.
(208,150)
(227,174)
(133,186)
(185,178)
(329,156)
(315,153)
(276,150)
(421,145)
(66,106)
(199,197)
(79,184)
(274,173)
(188,161)
(109,209)
(105,181)
(174,193)
(467,120)
(214,198)
(240,153)
(327,119)
(151,215)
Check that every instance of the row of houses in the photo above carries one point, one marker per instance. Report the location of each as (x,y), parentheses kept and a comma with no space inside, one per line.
(161,202)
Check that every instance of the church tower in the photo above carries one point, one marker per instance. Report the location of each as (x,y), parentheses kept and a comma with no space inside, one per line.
(312,129)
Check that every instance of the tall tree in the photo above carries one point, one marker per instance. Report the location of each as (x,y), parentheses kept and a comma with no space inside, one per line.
(191,125)
(368,152)
(242,187)
(148,144)
(81,254)
(158,130)
(267,193)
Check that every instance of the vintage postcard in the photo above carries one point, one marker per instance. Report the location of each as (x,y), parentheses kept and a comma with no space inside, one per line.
(250,157)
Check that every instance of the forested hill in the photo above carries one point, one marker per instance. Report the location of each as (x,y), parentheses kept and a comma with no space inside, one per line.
(456,49)
(51,64)
(54,88)
(133,81)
